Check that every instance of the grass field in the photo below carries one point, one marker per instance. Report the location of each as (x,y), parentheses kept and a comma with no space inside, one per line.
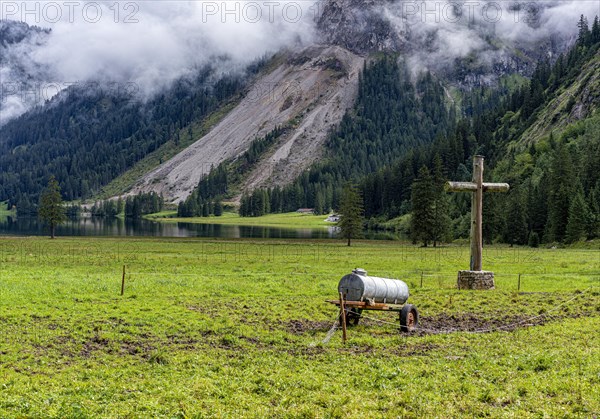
(5,211)
(291,219)
(229,329)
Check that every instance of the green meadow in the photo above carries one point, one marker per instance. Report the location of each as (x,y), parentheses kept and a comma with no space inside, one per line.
(5,211)
(238,328)
(290,219)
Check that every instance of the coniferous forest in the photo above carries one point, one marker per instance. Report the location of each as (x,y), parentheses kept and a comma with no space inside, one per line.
(401,135)
(87,137)
(400,142)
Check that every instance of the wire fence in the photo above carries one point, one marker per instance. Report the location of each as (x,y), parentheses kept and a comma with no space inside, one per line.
(494,328)
(416,279)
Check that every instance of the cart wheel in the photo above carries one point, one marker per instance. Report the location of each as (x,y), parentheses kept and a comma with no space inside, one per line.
(409,318)
(353,316)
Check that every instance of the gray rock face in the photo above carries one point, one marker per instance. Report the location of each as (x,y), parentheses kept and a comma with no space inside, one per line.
(358,26)
(467,54)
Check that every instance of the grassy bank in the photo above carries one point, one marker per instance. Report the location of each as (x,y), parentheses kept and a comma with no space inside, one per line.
(5,211)
(292,220)
(220,328)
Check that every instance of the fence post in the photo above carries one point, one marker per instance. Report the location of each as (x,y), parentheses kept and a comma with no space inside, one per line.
(123,281)
(519,284)
(421,279)
(343,314)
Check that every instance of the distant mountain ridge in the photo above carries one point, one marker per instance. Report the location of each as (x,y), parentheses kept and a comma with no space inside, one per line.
(315,86)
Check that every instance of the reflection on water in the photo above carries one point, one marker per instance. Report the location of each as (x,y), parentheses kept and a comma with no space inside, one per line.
(118,227)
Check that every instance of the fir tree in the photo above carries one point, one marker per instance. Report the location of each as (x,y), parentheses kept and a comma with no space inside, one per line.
(578,219)
(595,35)
(516,220)
(351,210)
(441,218)
(51,209)
(423,209)
(218,208)
(534,240)
(561,180)
(593,228)
(584,37)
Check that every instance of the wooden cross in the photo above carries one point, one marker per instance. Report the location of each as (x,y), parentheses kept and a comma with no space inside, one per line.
(478,187)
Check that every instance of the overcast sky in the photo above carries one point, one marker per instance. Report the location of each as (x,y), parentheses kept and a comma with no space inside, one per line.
(152,43)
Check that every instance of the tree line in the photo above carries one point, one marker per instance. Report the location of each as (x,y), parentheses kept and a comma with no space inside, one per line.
(555,182)
(85,139)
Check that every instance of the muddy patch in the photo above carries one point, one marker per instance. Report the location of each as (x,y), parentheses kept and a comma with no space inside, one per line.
(96,343)
(299,327)
(469,322)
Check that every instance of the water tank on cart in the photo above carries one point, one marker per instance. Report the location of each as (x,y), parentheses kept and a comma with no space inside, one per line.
(359,291)
(358,286)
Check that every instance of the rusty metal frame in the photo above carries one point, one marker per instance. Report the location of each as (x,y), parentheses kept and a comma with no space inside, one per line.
(363,305)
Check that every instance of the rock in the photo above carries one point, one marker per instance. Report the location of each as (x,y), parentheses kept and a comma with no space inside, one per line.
(359,26)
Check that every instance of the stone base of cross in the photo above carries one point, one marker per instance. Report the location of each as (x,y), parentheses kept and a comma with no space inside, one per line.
(476,278)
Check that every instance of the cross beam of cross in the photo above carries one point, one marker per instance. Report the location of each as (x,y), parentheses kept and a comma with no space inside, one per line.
(477,187)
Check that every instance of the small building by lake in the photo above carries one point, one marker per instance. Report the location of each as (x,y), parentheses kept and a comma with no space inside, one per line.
(305,211)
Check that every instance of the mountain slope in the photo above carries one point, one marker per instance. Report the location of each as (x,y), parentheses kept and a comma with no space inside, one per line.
(573,102)
(311,90)
(87,138)
(118,143)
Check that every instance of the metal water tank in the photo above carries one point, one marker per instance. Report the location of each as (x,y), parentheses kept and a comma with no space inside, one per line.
(358,286)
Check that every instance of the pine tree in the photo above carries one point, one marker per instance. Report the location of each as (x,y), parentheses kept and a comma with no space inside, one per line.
(218,208)
(120,205)
(51,209)
(595,31)
(351,210)
(584,32)
(534,240)
(318,203)
(441,218)
(516,219)
(578,219)
(593,229)
(561,181)
(423,209)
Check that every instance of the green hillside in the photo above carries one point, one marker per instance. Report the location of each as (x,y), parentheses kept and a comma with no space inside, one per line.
(541,136)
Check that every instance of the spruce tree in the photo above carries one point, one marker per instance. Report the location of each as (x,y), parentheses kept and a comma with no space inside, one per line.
(318,210)
(351,210)
(120,205)
(516,231)
(561,180)
(595,31)
(441,218)
(51,209)
(584,36)
(593,229)
(218,208)
(578,219)
(423,209)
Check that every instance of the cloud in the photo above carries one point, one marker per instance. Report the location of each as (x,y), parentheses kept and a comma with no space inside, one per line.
(439,31)
(150,43)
